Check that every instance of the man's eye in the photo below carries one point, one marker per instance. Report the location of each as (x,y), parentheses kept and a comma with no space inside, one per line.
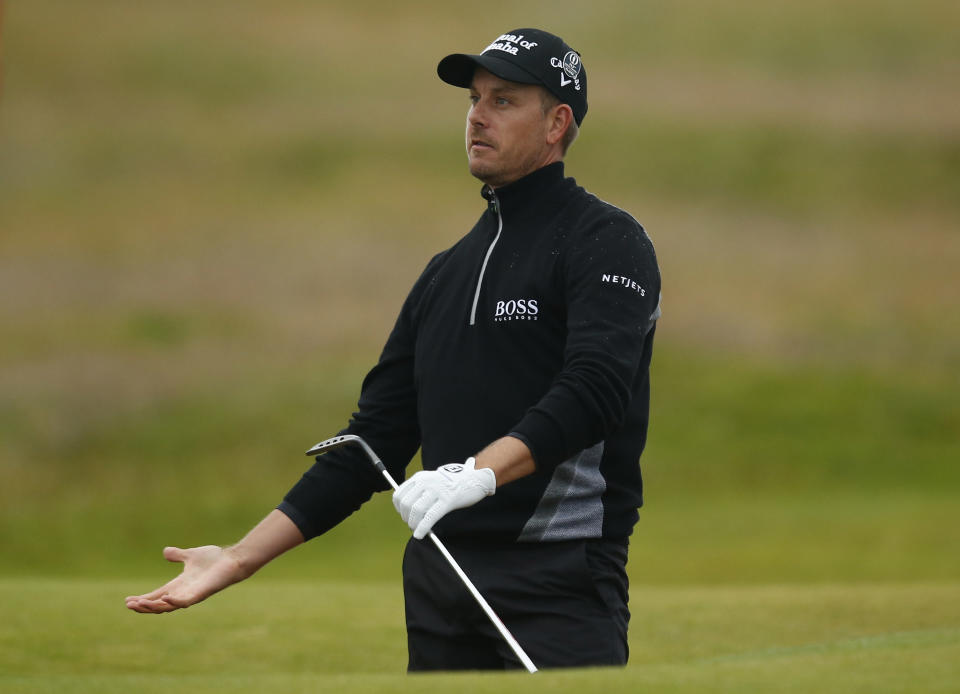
(502,101)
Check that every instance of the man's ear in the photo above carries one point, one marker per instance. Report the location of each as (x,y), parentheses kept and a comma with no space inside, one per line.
(561,117)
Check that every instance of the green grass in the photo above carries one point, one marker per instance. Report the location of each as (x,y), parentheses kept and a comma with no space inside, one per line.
(210,212)
(264,636)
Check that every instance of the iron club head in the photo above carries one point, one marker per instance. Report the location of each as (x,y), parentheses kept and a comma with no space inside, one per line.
(335,442)
(345,440)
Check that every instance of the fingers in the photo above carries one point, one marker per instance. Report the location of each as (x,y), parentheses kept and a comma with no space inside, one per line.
(429,495)
(405,496)
(145,606)
(158,600)
(400,497)
(167,599)
(425,504)
(156,594)
(185,596)
(175,554)
(413,502)
(424,527)
(153,602)
(152,595)
(422,512)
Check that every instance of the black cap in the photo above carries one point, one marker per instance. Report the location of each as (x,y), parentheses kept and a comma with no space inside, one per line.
(528,56)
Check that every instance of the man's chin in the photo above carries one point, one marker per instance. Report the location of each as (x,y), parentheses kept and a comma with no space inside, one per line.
(481,172)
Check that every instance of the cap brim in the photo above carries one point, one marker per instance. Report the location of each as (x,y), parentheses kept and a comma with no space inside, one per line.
(457,69)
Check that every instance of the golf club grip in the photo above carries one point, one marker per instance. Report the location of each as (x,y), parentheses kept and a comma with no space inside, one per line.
(501,627)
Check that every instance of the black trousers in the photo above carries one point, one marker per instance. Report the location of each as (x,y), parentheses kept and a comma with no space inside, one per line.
(564,602)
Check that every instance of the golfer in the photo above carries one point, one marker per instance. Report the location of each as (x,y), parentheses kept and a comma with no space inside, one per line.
(519,367)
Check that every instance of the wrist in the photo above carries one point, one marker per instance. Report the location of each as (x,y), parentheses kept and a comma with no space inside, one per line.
(271,537)
(508,458)
(245,564)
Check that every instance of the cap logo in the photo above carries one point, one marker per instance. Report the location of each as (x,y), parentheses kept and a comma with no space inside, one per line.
(571,65)
(505,43)
(571,68)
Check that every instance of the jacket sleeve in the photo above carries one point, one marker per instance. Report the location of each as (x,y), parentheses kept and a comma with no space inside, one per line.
(612,289)
(342,480)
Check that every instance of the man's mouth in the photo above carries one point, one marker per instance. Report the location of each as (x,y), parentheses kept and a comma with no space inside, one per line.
(480,144)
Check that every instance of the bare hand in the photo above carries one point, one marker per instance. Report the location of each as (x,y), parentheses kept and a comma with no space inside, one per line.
(206,570)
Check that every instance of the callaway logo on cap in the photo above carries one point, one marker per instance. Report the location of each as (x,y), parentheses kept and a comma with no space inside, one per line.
(528,56)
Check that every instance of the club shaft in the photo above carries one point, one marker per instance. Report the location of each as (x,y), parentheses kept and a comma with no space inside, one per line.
(494,619)
(347,439)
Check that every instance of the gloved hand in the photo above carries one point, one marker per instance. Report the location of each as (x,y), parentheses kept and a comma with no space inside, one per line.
(429,495)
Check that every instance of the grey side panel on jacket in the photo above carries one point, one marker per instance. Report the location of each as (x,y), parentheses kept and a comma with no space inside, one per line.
(571,507)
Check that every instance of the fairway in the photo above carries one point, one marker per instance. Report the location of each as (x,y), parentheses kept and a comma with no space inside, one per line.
(210,214)
(276,635)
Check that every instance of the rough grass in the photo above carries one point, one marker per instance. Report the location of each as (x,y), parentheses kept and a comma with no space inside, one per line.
(209,214)
(264,636)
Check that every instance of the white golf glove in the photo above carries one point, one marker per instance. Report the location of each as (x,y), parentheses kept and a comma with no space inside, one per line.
(429,495)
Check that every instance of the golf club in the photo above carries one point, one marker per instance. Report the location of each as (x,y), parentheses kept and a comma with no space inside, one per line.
(347,439)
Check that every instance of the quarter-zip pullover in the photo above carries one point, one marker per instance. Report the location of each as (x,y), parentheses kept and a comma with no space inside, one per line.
(538,324)
(495,207)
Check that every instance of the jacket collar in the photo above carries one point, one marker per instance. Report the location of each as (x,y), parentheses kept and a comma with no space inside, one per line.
(526,191)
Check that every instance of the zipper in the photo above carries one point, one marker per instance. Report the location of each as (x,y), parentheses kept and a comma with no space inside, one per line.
(483,268)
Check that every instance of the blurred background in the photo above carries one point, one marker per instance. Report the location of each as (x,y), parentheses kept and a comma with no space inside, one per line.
(210,214)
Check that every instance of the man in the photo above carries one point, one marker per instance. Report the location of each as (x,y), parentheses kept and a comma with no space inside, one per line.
(519,366)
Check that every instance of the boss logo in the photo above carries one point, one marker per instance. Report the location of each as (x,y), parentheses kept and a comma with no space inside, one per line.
(516,309)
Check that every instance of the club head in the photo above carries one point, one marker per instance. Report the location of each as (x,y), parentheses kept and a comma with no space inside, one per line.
(345,439)
(335,442)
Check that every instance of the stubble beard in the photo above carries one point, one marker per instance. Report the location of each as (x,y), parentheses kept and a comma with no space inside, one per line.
(496,176)
(484,172)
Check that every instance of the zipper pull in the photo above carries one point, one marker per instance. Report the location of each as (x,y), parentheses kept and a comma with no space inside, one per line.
(493,204)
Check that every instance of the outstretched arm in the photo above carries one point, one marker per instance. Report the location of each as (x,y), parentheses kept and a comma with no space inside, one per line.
(210,569)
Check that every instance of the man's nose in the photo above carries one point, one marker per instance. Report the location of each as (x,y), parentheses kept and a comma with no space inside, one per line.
(477,116)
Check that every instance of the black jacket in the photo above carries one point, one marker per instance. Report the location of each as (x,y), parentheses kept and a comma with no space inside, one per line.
(538,323)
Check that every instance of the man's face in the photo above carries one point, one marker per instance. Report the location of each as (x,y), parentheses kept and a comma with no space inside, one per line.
(506,130)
